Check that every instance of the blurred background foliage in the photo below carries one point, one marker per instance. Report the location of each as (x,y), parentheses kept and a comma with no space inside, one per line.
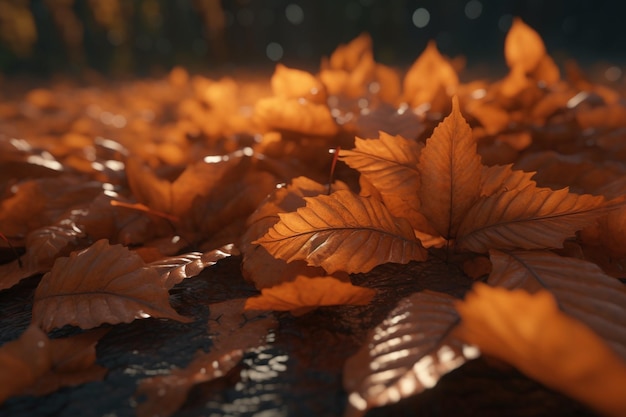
(143,37)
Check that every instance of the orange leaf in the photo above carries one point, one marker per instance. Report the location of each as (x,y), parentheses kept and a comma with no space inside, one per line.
(450,172)
(429,74)
(343,232)
(101,284)
(258,265)
(23,362)
(529,332)
(291,83)
(390,164)
(303,293)
(295,115)
(503,178)
(523,47)
(347,57)
(527,218)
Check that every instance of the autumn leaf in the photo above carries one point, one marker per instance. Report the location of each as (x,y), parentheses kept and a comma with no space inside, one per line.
(258,266)
(430,74)
(389,163)
(73,363)
(343,232)
(291,83)
(582,290)
(527,218)
(502,178)
(304,293)
(175,269)
(450,172)
(294,115)
(523,47)
(173,197)
(531,333)
(23,362)
(101,284)
(406,354)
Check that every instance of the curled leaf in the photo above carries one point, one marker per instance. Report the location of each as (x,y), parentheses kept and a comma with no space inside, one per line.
(406,354)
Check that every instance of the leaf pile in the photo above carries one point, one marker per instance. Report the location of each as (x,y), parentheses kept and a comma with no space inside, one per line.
(112,198)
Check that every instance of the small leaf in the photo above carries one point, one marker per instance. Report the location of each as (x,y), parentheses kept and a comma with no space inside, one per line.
(523,47)
(295,116)
(406,354)
(450,172)
(430,74)
(343,232)
(304,293)
(529,332)
(581,289)
(528,218)
(292,83)
(175,269)
(101,284)
(23,362)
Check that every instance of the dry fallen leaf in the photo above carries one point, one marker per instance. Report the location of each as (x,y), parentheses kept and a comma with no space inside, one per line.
(343,232)
(305,293)
(101,284)
(531,333)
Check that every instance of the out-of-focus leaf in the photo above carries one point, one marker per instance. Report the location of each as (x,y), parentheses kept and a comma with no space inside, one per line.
(295,116)
(531,333)
(101,284)
(292,83)
(343,232)
(527,218)
(429,74)
(523,47)
(304,293)
(406,354)
(581,289)
(450,172)
(73,363)
(23,362)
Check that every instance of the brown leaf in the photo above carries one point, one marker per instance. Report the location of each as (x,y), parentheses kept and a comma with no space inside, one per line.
(304,293)
(581,289)
(101,284)
(343,232)
(23,362)
(429,74)
(176,197)
(529,332)
(347,57)
(174,270)
(527,218)
(406,354)
(390,164)
(258,265)
(295,115)
(502,178)
(73,363)
(450,172)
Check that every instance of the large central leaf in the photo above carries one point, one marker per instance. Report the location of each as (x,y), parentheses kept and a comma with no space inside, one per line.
(450,173)
(343,231)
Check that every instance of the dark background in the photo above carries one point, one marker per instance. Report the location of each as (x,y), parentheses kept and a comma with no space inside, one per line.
(143,37)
